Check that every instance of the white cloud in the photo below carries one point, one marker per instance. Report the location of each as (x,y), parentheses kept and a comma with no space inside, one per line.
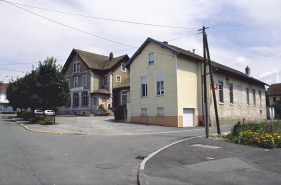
(270,77)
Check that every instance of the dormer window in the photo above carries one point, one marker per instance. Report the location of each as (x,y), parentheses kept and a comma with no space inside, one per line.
(123,68)
(76,67)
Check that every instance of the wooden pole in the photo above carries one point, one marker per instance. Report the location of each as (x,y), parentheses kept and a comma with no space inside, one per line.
(213,88)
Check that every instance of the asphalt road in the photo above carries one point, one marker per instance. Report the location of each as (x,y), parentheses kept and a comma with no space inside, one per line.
(40,158)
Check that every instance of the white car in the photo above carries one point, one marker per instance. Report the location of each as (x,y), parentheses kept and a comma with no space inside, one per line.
(49,112)
(38,112)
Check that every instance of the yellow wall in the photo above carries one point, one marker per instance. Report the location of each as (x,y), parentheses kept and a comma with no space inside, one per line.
(189,86)
(165,62)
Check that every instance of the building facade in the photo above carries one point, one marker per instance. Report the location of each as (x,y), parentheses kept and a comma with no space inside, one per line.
(274,93)
(166,89)
(92,78)
(4,103)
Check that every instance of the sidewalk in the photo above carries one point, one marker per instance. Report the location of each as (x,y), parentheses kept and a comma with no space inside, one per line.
(203,161)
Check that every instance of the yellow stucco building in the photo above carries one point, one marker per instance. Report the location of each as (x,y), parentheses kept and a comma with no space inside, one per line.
(166,88)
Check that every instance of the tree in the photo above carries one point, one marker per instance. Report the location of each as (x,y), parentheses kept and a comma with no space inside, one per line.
(43,88)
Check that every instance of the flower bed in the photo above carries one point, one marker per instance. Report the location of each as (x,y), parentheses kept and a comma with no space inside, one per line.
(257,135)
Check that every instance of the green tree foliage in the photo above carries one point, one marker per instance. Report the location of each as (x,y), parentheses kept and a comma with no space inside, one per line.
(44,88)
(277,107)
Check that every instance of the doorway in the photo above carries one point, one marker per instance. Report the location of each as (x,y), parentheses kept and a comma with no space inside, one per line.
(188,115)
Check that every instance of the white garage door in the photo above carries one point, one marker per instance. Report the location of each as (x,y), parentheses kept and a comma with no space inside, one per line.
(187,117)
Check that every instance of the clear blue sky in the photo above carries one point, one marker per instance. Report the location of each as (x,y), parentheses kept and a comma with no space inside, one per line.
(242,33)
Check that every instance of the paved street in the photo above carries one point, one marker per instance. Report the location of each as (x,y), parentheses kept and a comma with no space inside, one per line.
(40,158)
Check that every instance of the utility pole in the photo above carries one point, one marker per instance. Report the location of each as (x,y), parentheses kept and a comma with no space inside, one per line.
(206,115)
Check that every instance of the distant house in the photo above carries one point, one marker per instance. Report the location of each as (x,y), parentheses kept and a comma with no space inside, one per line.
(166,88)
(92,78)
(4,103)
(274,93)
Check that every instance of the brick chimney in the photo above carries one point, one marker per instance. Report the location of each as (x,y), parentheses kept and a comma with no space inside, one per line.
(248,71)
(110,56)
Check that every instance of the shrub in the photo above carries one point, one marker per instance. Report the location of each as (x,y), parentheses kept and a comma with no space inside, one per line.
(45,121)
(119,113)
(19,114)
(254,127)
(26,115)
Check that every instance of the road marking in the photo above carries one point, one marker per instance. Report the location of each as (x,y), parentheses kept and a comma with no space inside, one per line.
(206,146)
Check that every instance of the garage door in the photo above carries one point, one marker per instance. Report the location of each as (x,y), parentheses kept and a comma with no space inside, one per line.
(188,117)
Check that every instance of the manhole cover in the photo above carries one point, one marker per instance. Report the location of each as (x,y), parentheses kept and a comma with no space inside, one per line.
(106,166)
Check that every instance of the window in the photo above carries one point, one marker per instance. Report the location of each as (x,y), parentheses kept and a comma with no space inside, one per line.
(254,96)
(274,99)
(95,100)
(259,98)
(118,78)
(84,80)
(144,111)
(160,111)
(231,93)
(85,98)
(143,86)
(76,82)
(124,97)
(76,67)
(221,91)
(68,104)
(75,100)
(248,97)
(123,68)
(105,80)
(151,58)
(239,95)
(5,106)
(160,84)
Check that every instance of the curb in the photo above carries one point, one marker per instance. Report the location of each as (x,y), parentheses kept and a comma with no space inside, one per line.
(42,130)
(141,178)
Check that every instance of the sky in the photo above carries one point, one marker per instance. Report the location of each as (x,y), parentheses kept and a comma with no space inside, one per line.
(241,32)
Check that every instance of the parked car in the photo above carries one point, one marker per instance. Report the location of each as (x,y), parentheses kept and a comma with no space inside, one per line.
(38,112)
(49,112)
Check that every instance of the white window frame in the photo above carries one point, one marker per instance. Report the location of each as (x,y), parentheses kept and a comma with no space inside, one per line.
(123,69)
(117,78)
(160,112)
(84,80)
(76,80)
(145,87)
(121,94)
(160,90)
(143,111)
(150,56)
(76,67)
(105,80)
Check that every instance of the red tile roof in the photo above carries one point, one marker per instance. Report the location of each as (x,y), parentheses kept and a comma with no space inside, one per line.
(274,89)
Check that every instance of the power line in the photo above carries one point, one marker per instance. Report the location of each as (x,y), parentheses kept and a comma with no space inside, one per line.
(11,70)
(70,26)
(101,18)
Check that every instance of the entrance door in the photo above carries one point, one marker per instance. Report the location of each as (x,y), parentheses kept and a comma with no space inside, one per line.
(188,118)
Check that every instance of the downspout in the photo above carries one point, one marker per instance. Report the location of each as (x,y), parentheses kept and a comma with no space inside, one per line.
(177,89)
